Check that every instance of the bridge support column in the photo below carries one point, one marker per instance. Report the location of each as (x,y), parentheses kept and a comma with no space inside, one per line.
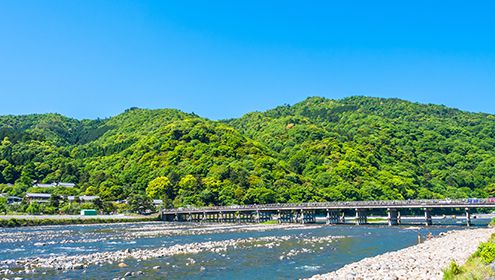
(308,216)
(286,216)
(333,217)
(168,217)
(257,216)
(428,220)
(361,217)
(468,217)
(393,217)
(342,217)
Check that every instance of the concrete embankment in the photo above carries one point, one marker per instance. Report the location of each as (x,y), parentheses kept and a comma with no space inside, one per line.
(423,261)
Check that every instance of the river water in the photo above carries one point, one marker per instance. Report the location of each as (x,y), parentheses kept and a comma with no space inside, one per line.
(270,252)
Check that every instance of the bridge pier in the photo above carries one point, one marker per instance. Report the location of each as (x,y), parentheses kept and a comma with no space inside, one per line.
(468,217)
(257,216)
(428,220)
(286,216)
(168,217)
(197,217)
(361,217)
(265,216)
(393,217)
(307,216)
(333,217)
(247,217)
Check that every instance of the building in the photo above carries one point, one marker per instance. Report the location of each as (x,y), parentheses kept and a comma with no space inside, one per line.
(58,184)
(38,197)
(66,185)
(11,199)
(157,202)
(44,185)
(14,200)
(83,198)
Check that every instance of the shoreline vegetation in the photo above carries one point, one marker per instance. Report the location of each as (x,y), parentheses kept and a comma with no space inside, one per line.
(29,220)
(480,265)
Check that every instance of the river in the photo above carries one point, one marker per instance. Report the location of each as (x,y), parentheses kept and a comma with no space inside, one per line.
(250,252)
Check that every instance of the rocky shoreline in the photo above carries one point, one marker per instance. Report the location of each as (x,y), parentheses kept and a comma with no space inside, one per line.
(422,261)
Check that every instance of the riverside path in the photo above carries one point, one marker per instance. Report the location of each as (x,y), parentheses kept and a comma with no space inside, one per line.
(334,212)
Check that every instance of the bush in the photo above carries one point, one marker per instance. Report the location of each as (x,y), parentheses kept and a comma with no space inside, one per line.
(453,270)
(486,252)
(492,223)
(49,210)
(33,208)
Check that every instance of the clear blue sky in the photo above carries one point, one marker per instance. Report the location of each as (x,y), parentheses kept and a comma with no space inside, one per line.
(93,58)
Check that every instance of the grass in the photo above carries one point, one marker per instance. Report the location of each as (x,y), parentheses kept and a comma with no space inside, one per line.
(270,222)
(377,220)
(476,267)
(16,222)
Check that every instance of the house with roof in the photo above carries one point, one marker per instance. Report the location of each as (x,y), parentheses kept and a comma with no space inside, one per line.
(57,184)
(38,197)
(157,202)
(12,199)
(83,198)
(66,185)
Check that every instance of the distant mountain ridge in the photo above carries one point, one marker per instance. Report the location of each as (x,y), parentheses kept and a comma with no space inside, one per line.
(319,149)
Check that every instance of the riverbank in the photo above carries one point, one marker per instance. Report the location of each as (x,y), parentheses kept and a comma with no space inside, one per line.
(423,261)
(44,220)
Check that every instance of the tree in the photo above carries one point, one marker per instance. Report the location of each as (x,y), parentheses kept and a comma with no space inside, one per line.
(140,203)
(55,201)
(33,208)
(159,187)
(3,204)
(188,183)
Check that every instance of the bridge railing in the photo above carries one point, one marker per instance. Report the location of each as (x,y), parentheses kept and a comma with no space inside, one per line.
(346,204)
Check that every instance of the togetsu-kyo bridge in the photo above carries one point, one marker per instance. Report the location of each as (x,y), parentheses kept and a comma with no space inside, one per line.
(333,212)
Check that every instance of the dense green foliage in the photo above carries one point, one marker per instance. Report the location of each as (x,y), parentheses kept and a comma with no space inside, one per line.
(356,148)
(486,252)
(372,148)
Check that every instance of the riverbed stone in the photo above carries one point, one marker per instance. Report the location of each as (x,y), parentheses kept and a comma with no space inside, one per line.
(424,261)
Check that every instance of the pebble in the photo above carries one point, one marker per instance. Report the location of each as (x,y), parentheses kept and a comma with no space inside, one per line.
(424,261)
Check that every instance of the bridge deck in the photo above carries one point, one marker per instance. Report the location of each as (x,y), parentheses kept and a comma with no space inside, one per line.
(392,204)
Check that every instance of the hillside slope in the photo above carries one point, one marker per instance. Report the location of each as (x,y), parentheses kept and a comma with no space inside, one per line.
(319,149)
(375,148)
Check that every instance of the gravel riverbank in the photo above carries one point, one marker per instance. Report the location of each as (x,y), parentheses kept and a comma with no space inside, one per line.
(423,261)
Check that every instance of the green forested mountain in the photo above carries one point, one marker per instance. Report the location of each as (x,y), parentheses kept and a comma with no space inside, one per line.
(356,148)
